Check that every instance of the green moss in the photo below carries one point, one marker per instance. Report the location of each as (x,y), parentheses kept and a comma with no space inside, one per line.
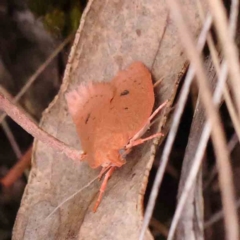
(74,17)
(55,21)
(60,17)
(38,7)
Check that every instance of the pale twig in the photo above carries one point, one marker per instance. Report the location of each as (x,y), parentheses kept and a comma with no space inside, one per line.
(32,79)
(228,46)
(219,142)
(214,55)
(11,98)
(17,170)
(172,132)
(20,118)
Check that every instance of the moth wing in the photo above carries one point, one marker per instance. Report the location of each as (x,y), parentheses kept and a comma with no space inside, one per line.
(133,99)
(86,105)
(128,111)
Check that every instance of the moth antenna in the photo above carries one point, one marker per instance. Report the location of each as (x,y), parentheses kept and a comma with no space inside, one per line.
(71,196)
(74,194)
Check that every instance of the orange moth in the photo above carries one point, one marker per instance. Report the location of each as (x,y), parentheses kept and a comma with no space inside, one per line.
(110,117)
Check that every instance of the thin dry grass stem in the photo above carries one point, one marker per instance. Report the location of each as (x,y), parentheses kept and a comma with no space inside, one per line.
(20,118)
(219,142)
(228,45)
(17,170)
(32,79)
(196,164)
(231,145)
(8,131)
(11,139)
(172,132)
(233,19)
(218,216)
(161,228)
(156,84)
(215,59)
(232,112)
(170,169)
(228,100)
(233,142)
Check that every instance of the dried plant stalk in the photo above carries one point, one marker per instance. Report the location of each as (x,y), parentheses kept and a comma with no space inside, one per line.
(19,117)
(219,142)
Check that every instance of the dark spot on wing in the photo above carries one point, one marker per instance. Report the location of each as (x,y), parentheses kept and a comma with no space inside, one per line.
(125,92)
(126,108)
(88,116)
(139,32)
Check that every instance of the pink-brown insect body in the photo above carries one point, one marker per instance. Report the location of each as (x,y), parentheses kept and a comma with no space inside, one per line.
(108,114)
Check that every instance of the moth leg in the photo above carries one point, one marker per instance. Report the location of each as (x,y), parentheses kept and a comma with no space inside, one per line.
(145,127)
(103,187)
(142,140)
(157,110)
(104,170)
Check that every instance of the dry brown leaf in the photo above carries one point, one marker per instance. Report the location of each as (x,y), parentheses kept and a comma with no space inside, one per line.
(112,34)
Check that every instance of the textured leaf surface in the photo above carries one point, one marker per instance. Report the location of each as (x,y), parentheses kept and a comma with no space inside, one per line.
(112,35)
